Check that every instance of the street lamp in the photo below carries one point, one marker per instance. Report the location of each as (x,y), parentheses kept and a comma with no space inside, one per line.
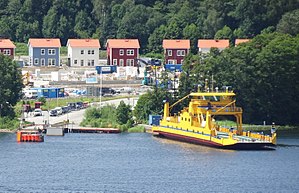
(101,84)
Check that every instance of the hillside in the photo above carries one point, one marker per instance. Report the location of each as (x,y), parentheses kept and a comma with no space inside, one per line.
(148,20)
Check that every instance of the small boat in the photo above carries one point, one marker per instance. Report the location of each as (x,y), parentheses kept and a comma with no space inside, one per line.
(196,123)
(30,136)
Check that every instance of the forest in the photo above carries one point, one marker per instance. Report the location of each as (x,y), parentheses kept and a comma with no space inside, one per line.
(263,72)
(150,21)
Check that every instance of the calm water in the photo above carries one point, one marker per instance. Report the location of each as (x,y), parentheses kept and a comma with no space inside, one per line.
(142,163)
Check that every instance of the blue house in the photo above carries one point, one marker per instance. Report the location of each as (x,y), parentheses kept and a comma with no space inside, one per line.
(44,52)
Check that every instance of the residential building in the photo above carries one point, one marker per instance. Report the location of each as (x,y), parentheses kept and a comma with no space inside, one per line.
(7,48)
(175,50)
(240,41)
(205,45)
(44,52)
(83,52)
(122,52)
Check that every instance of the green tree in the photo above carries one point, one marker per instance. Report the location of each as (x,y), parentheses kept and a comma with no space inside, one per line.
(263,73)
(192,32)
(172,30)
(224,33)
(5,30)
(83,27)
(11,85)
(123,113)
(155,40)
(289,23)
(150,103)
(137,18)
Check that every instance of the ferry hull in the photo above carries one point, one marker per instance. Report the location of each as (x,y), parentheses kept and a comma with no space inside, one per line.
(237,146)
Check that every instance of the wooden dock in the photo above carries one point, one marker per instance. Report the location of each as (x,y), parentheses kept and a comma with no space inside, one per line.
(92,130)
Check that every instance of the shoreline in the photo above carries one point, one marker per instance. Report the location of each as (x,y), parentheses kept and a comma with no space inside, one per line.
(7,131)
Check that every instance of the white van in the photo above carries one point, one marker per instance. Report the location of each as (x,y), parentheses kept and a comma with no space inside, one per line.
(30,94)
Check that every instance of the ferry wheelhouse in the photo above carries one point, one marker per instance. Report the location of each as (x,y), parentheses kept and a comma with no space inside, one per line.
(196,123)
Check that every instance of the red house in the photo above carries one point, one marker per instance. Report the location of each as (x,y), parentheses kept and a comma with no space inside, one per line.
(122,52)
(7,48)
(175,50)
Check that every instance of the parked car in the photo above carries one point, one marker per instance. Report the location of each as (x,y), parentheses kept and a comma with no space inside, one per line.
(53,112)
(72,106)
(59,110)
(65,109)
(108,91)
(79,105)
(37,112)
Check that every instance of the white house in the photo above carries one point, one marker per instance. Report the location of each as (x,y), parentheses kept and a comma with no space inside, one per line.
(205,45)
(83,52)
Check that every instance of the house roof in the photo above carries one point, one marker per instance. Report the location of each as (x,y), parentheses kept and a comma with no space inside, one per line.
(204,43)
(89,43)
(44,42)
(176,44)
(123,43)
(6,43)
(239,41)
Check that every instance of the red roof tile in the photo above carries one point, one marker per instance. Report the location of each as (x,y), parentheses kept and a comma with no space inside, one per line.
(203,43)
(6,43)
(123,43)
(92,43)
(239,41)
(176,44)
(45,42)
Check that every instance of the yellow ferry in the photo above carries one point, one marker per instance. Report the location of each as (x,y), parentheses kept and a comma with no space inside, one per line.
(196,123)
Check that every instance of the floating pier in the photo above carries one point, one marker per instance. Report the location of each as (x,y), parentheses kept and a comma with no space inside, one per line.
(92,130)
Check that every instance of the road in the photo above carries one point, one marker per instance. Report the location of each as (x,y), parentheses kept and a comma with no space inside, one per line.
(74,117)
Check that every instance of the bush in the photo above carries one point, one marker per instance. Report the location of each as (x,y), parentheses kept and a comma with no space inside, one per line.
(8,123)
(137,129)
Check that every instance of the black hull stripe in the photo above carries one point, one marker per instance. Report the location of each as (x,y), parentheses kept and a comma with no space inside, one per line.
(237,146)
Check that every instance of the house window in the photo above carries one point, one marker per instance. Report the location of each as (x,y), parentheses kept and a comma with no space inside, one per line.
(42,51)
(88,62)
(43,62)
(130,52)
(92,62)
(51,51)
(51,62)
(6,52)
(92,52)
(169,52)
(89,52)
(82,51)
(36,61)
(121,62)
(130,62)
(114,62)
(75,61)
(181,53)
(121,52)
(182,61)
(171,61)
(82,62)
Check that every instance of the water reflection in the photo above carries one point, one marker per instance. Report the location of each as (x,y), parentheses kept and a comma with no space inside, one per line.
(143,163)
(191,147)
